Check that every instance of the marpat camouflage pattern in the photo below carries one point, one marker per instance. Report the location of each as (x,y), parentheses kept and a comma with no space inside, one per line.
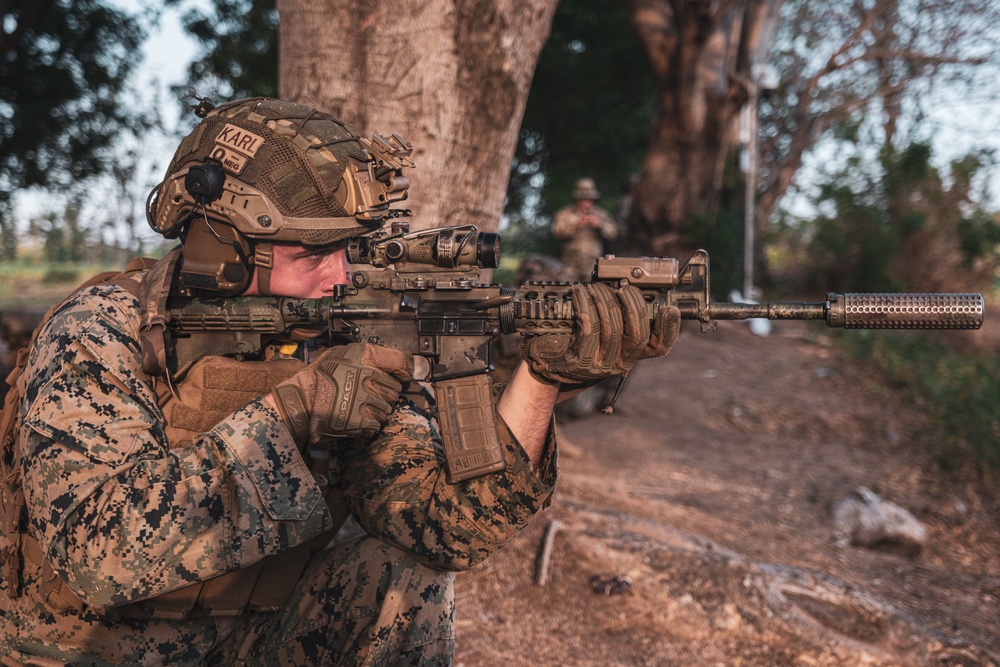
(119,514)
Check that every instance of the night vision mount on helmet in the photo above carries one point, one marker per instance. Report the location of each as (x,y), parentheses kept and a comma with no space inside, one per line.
(259,171)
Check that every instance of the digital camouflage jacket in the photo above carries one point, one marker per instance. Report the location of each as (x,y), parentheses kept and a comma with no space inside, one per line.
(122,514)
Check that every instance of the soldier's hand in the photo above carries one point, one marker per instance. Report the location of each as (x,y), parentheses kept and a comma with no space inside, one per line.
(612,333)
(347,392)
(666,328)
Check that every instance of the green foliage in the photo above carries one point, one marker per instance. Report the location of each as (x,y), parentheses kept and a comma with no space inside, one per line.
(527,238)
(896,224)
(240,42)
(63,68)
(723,233)
(960,392)
(63,238)
(853,247)
(57,275)
(506,272)
(978,235)
(588,111)
(722,236)
(8,234)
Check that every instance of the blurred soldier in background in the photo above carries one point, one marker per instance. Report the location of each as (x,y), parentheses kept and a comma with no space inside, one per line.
(584,229)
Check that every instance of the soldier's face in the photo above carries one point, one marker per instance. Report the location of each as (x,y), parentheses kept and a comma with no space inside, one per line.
(304,272)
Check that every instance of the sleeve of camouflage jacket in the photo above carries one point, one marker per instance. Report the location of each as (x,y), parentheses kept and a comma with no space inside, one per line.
(396,487)
(120,515)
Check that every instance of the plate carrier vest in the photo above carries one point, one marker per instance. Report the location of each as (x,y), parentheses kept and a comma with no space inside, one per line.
(208,390)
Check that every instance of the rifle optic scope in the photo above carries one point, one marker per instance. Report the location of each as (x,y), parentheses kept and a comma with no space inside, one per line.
(445,247)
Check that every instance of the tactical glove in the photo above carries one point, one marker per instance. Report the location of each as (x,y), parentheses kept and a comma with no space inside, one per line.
(347,392)
(612,333)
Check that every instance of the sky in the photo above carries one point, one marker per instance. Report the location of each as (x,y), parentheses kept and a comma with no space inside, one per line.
(169,49)
(165,57)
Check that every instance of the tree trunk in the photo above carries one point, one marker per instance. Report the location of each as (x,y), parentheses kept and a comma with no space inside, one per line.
(680,180)
(702,54)
(451,76)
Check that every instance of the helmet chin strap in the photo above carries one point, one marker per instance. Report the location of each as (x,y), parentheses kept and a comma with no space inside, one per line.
(263,260)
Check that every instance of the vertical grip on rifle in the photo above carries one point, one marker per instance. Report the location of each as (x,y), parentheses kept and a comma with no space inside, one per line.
(468,426)
(905,311)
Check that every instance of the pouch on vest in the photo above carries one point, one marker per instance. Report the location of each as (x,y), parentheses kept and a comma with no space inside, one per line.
(210,390)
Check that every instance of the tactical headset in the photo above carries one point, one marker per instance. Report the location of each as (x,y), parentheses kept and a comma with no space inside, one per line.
(217,258)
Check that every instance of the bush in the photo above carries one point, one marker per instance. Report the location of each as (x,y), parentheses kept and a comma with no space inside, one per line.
(959,391)
(61,274)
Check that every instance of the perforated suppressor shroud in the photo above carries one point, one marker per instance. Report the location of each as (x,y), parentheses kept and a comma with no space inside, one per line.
(421,293)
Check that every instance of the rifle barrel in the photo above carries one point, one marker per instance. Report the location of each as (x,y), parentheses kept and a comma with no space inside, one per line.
(863,311)
(770,311)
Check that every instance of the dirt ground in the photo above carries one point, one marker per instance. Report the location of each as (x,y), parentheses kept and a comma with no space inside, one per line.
(710,488)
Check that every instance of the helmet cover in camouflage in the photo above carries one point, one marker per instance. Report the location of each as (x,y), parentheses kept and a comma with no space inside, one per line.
(292,173)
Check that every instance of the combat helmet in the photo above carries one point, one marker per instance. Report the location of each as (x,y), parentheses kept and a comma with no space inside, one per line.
(258,171)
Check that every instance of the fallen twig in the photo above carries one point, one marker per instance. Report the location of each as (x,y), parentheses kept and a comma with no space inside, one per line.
(542,570)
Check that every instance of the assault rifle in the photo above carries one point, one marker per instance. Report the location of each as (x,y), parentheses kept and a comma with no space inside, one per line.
(420,292)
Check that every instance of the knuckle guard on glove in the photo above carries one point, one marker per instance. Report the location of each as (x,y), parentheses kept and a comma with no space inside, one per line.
(609,314)
(635,326)
(347,392)
(612,333)
(355,396)
(588,338)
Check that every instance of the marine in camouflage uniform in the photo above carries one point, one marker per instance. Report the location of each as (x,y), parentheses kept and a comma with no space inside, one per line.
(120,515)
(164,504)
(584,229)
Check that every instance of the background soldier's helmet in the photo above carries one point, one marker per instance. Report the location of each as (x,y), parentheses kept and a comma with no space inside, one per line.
(258,171)
(586,189)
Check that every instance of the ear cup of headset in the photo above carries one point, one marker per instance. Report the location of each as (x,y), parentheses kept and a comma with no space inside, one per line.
(216,258)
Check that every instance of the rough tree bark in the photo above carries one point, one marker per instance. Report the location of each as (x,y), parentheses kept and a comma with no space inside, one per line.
(702,54)
(452,76)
